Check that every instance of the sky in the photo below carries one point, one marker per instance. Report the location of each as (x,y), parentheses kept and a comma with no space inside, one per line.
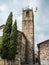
(41,17)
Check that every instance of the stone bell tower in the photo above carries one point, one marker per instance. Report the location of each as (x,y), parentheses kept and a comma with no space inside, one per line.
(28,30)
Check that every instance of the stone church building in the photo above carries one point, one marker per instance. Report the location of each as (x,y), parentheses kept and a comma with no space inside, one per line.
(25,46)
(25,52)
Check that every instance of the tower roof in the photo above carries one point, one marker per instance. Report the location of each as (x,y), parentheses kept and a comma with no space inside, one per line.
(26,9)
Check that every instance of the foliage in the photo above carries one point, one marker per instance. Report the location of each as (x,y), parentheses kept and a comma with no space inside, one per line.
(0,46)
(6,37)
(13,41)
(0,41)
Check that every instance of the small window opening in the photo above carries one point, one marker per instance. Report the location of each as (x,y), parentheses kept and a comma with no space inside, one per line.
(27,14)
(16,52)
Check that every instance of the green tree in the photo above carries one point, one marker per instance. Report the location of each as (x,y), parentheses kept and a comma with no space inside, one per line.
(6,37)
(13,42)
(0,49)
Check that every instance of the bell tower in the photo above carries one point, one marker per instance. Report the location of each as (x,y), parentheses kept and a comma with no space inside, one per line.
(28,30)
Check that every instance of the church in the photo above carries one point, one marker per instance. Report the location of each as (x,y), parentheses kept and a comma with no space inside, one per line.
(25,46)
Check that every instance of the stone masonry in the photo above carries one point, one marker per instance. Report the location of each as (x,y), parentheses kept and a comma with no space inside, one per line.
(43,52)
(28,30)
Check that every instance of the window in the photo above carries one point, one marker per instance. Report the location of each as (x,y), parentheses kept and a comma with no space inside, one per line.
(27,14)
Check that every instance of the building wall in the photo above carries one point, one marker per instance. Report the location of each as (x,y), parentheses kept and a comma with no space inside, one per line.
(44,53)
(28,30)
(23,49)
(1,62)
(20,54)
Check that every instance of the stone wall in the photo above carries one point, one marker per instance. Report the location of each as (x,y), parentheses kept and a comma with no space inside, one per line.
(44,52)
(1,62)
(28,30)
(21,48)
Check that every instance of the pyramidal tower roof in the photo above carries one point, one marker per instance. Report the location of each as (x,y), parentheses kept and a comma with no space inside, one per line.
(27,8)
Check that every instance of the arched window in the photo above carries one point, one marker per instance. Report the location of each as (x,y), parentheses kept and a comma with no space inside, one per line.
(27,14)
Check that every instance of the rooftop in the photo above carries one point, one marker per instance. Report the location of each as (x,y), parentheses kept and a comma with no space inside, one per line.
(42,42)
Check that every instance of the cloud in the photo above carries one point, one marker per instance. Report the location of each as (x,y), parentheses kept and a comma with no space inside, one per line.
(41,17)
(19,22)
(3,8)
(42,22)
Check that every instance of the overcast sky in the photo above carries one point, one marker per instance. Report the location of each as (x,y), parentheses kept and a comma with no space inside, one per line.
(41,17)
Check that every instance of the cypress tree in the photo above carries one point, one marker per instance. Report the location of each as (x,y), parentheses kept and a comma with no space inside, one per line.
(6,37)
(13,41)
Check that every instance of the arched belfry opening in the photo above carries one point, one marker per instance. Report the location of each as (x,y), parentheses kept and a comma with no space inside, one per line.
(27,14)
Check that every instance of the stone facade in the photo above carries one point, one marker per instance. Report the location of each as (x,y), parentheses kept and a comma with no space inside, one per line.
(1,62)
(43,52)
(28,30)
(25,48)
